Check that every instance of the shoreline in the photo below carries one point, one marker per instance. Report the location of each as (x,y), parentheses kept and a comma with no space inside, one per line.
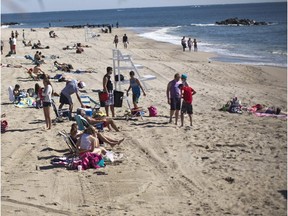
(211,168)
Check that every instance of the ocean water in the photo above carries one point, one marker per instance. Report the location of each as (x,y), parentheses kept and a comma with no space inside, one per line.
(258,45)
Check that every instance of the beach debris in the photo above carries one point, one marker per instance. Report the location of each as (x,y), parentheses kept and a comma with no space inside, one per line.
(229,179)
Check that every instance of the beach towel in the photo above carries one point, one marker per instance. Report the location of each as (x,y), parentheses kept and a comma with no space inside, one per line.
(270,115)
(26,102)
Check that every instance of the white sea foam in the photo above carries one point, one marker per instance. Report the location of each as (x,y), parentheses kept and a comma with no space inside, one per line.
(203,25)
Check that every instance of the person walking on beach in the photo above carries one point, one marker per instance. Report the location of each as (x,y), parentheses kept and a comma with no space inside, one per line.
(47,101)
(116,41)
(108,88)
(14,45)
(23,34)
(183,43)
(136,86)
(174,97)
(186,93)
(16,34)
(72,86)
(12,34)
(189,43)
(125,41)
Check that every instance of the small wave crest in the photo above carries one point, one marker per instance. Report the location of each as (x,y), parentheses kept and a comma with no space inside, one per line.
(203,25)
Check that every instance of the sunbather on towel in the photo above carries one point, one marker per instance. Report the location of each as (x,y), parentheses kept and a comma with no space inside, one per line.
(108,122)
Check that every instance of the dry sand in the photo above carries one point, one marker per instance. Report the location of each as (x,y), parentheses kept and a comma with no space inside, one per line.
(167,170)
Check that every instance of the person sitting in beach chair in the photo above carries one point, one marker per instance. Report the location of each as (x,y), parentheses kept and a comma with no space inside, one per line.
(108,122)
(88,142)
(75,135)
(27,44)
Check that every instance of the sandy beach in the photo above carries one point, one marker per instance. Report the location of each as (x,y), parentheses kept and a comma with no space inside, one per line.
(225,164)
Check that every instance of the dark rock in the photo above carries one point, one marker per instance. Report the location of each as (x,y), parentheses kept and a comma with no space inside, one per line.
(238,22)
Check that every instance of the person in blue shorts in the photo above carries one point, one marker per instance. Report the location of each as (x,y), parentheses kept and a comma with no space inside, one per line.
(135,85)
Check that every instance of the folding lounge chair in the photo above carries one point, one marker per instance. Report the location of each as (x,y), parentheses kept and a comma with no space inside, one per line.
(133,112)
(70,143)
(83,123)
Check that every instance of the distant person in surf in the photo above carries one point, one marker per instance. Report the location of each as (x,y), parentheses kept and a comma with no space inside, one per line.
(189,43)
(195,45)
(183,43)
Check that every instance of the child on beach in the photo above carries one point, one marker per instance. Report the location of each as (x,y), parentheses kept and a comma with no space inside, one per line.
(186,92)
(136,86)
(47,102)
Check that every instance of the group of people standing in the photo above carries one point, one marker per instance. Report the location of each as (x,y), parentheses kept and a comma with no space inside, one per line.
(176,90)
(189,43)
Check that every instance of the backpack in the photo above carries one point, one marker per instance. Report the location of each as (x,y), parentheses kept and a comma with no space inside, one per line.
(152,111)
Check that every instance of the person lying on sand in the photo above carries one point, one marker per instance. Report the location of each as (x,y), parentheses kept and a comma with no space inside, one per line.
(82,45)
(108,122)
(63,66)
(11,66)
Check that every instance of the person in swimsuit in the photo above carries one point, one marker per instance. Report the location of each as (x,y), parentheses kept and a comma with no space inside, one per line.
(135,85)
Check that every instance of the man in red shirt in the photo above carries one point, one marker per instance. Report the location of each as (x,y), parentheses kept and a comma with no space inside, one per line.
(186,93)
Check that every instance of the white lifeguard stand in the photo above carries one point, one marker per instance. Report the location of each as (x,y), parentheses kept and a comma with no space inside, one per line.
(89,34)
(118,60)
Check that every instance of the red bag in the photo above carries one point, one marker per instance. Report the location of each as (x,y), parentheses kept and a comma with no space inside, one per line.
(103,96)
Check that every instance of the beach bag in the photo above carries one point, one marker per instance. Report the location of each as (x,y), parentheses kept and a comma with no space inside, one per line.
(4,126)
(152,111)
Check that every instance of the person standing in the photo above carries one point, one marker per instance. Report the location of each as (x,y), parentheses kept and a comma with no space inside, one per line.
(10,44)
(2,46)
(186,92)
(23,34)
(14,45)
(108,88)
(72,86)
(136,86)
(189,43)
(116,41)
(125,41)
(195,45)
(16,34)
(183,43)
(184,80)
(47,101)
(174,97)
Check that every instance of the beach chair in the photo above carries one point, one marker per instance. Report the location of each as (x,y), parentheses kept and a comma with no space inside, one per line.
(60,114)
(11,95)
(83,123)
(89,102)
(70,143)
(133,112)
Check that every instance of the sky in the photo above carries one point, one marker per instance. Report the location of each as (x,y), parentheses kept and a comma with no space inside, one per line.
(27,6)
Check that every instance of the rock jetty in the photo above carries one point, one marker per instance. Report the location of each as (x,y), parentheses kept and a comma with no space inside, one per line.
(238,22)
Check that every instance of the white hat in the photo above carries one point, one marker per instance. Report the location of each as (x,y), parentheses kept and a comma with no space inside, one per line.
(81,84)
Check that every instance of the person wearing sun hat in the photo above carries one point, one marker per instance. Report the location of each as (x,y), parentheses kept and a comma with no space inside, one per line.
(72,86)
